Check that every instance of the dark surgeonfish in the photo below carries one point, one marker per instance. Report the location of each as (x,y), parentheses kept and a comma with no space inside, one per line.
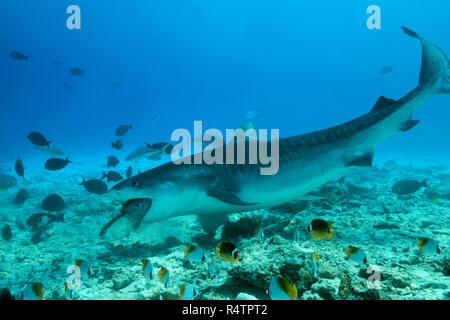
(19,168)
(55,164)
(58,63)
(115,85)
(129,172)
(133,210)
(95,186)
(38,220)
(386,70)
(117,145)
(53,203)
(21,196)
(123,129)
(76,72)
(112,176)
(38,139)
(17,55)
(112,161)
(7,181)
(67,86)
(41,233)
(6,232)
(406,187)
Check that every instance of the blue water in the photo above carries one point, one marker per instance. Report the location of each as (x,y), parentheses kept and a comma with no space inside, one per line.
(308,65)
(303,65)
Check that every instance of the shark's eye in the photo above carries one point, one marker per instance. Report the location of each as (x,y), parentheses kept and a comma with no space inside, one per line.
(134,183)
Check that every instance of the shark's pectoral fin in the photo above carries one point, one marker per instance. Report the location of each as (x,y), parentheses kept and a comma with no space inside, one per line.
(408,125)
(228,197)
(360,160)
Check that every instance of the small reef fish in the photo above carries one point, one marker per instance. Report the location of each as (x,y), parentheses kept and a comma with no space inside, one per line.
(76,72)
(428,245)
(252,114)
(227,251)
(147,269)
(7,181)
(122,130)
(112,176)
(133,210)
(386,70)
(320,230)
(282,289)
(129,172)
(85,267)
(38,139)
(187,292)
(95,186)
(19,168)
(17,55)
(33,291)
(67,86)
(55,164)
(314,261)
(163,276)
(117,145)
(211,269)
(53,203)
(21,196)
(58,63)
(432,196)
(259,233)
(6,232)
(390,165)
(194,253)
(115,85)
(406,187)
(356,254)
(112,161)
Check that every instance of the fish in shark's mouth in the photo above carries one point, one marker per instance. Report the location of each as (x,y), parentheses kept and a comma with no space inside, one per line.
(132,210)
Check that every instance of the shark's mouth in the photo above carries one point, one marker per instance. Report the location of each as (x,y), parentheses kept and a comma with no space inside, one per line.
(132,210)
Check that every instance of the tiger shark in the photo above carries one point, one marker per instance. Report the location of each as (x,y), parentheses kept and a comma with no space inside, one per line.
(305,161)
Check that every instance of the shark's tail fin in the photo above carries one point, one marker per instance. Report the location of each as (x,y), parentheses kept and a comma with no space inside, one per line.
(435,69)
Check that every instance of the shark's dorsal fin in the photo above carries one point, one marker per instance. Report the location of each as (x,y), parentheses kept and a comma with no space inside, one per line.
(360,160)
(227,197)
(382,103)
